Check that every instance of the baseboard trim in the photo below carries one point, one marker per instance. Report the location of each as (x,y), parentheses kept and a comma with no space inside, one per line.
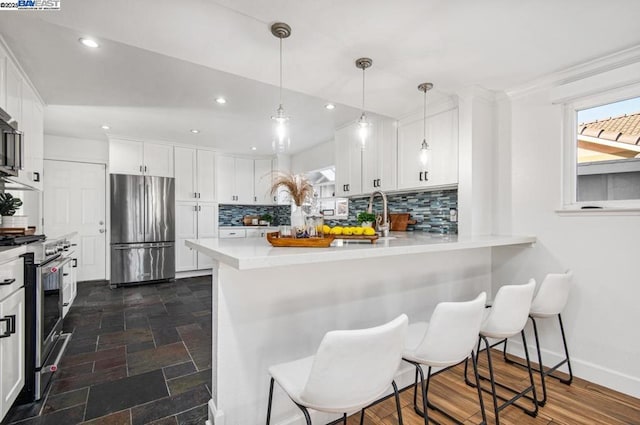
(193,273)
(216,417)
(591,372)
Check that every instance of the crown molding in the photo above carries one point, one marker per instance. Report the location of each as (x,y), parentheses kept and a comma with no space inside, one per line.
(578,72)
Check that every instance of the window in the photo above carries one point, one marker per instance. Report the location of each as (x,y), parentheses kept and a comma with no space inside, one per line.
(601,151)
(608,152)
(324,185)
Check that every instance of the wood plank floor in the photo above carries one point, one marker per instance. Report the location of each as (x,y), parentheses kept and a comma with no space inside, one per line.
(582,402)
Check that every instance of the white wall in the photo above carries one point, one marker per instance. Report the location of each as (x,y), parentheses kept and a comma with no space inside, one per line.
(315,158)
(602,316)
(73,149)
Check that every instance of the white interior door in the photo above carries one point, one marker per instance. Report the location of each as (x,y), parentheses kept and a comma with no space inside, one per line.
(74,201)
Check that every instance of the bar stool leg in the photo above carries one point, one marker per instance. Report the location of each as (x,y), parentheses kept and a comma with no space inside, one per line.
(474,359)
(540,366)
(344,418)
(362,417)
(305,412)
(398,407)
(566,353)
(424,385)
(533,412)
(492,380)
(270,401)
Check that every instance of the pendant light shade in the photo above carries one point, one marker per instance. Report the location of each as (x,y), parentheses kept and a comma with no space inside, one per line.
(363,122)
(425,151)
(281,139)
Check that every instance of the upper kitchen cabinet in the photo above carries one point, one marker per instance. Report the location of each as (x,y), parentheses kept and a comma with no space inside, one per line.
(234,180)
(195,174)
(262,172)
(348,162)
(442,136)
(32,126)
(140,158)
(13,91)
(379,159)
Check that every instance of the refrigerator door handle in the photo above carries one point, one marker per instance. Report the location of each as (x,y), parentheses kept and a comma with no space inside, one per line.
(143,246)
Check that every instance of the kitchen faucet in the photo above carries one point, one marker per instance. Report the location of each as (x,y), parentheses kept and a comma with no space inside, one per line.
(384,227)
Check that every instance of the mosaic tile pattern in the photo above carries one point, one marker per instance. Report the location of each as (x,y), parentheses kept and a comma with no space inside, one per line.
(231,215)
(431,210)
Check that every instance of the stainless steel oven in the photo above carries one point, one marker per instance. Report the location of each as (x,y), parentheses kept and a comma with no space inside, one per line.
(11,152)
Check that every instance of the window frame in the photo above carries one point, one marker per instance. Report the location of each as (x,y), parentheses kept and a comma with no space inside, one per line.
(570,151)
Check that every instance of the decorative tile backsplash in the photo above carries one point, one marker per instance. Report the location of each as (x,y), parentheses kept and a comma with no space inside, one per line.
(231,215)
(431,210)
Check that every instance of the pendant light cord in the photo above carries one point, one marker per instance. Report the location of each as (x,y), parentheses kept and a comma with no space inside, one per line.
(424,118)
(363,68)
(280,71)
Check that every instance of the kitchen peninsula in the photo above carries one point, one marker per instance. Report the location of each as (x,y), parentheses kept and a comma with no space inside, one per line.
(273,305)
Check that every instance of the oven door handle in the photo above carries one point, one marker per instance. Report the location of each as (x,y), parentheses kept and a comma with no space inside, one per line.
(7,282)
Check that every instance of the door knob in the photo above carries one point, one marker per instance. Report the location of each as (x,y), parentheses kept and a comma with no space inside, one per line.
(101,222)
(102,230)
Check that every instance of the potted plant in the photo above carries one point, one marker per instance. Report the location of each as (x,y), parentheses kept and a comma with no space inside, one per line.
(8,207)
(366,219)
(300,190)
(266,219)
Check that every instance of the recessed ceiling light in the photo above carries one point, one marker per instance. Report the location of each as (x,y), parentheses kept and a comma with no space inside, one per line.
(89,42)
(221,100)
(194,131)
(253,148)
(105,127)
(330,106)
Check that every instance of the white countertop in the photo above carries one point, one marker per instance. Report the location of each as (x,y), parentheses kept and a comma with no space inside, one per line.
(256,253)
(248,227)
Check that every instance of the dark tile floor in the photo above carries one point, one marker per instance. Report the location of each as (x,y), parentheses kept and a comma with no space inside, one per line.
(138,355)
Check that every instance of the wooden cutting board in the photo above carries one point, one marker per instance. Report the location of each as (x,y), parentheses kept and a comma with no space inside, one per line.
(399,221)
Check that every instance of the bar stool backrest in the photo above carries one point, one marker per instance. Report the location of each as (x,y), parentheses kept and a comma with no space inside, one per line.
(552,295)
(510,310)
(353,368)
(452,332)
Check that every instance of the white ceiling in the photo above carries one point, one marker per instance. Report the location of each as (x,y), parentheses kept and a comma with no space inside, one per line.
(162,62)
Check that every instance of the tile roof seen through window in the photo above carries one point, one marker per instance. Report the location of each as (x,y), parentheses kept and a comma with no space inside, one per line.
(625,129)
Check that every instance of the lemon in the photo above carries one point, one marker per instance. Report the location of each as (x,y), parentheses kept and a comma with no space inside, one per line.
(358,231)
(326,229)
(369,231)
(336,231)
(347,231)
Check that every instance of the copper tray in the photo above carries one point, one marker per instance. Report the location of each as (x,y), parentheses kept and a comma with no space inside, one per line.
(275,240)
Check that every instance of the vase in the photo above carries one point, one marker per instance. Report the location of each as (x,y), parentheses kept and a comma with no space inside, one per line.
(298,224)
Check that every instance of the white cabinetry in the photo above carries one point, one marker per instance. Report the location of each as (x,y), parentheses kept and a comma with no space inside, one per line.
(442,136)
(33,139)
(12,348)
(348,161)
(263,174)
(233,232)
(379,159)
(13,87)
(195,175)
(234,180)
(140,158)
(194,220)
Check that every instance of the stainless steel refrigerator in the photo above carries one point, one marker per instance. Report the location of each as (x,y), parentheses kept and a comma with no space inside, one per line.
(142,229)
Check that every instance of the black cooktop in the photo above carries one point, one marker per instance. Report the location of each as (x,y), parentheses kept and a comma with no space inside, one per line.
(10,240)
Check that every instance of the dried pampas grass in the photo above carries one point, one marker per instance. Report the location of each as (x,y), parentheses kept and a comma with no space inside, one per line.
(296,184)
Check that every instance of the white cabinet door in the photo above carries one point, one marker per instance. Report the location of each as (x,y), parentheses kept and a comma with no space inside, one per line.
(158,159)
(185,172)
(186,228)
(3,79)
(12,351)
(207,225)
(370,156)
(442,136)
(262,183)
(225,179)
(244,181)
(206,176)
(13,84)
(125,157)
(379,160)
(348,162)
(33,139)
(231,233)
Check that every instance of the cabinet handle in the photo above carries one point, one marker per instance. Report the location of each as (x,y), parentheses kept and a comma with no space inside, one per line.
(65,274)
(348,188)
(425,176)
(274,199)
(195,194)
(145,168)
(10,325)
(379,183)
(421,175)
(141,168)
(65,305)
(7,282)
(75,263)
(36,176)
(199,195)
(255,199)
(199,207)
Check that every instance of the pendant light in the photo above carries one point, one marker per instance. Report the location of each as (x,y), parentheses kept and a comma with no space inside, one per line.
(425,151)
(363,122)
(281,140)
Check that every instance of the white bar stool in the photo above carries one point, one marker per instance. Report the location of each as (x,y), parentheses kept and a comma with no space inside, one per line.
(351,370)
(445,341)
(507,317)
(550,300)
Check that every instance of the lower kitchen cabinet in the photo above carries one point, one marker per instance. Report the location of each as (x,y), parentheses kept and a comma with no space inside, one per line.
(231,232)
(12,334)
(194,220)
